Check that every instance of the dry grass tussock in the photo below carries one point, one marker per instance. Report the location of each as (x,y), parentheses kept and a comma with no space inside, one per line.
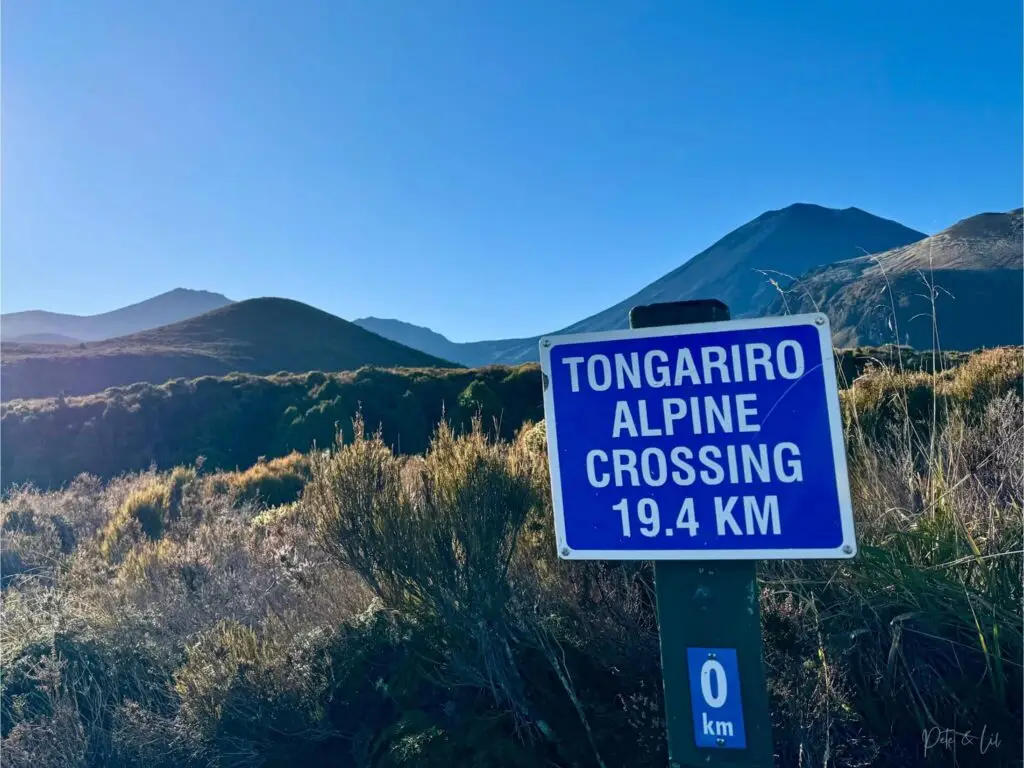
(356,607)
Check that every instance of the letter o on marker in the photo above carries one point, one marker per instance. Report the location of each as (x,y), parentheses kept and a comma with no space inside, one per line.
(712,667)
(797,369)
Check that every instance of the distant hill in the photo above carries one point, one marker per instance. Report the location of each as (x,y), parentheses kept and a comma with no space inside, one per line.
(255,336)
(167,308)
(738,269)
(415,336)
(44,338)
(472,353)
(973,270)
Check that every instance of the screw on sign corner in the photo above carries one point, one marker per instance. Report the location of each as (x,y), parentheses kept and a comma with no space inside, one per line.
(565,551)
(819,320)
(847,549)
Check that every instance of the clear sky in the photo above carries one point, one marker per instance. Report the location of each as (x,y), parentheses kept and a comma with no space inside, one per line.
(487,168)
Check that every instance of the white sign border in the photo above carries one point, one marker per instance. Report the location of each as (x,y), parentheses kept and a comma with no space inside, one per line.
(844,551)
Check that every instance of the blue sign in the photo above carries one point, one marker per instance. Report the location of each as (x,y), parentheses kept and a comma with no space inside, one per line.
(715,698)
(715,441)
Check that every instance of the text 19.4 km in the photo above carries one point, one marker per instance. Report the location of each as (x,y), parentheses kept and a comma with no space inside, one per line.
(734,516)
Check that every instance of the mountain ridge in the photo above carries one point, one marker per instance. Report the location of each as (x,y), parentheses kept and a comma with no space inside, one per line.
(44,338)
(265,336)
(751,268)
(420,337)
(163,309)
(731,269)
(960,288)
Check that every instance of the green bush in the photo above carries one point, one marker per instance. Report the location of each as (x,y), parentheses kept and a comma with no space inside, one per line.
(385,517)
(233,420)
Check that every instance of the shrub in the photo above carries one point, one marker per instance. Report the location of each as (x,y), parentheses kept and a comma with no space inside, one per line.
(437,533)
(433,536)
(534,437)
(478,398)
(886,403)
(36,538)
(272,483)
(61,687)
(56,739)
(238,689)
(146,512)
(233,420)
(923,628)
(987,375)
(143,514)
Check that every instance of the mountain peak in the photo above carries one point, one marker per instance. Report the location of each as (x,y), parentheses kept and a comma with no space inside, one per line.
(778,245)
(988,225)
(798,213)
(180,292)
(798,208)
(743,269)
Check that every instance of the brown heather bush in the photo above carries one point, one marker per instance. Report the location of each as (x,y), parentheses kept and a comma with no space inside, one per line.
(146,513)
(358,607)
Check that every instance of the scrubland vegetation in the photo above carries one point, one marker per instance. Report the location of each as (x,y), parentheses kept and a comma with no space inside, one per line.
(369,605)
(233,420)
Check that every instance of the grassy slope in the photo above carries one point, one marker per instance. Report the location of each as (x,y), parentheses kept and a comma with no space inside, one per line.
(256,336)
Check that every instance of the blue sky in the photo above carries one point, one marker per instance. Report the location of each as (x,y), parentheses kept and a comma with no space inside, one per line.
(488,169)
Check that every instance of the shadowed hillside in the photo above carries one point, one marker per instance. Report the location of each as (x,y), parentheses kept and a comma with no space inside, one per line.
(233,420)
(255,336)
(167,308)
(968,278)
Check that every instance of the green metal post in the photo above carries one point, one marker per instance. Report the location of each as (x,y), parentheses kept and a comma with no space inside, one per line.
(708,604)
